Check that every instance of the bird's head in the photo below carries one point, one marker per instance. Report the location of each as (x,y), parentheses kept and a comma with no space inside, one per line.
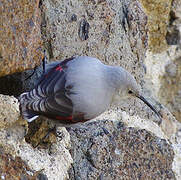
(130,88)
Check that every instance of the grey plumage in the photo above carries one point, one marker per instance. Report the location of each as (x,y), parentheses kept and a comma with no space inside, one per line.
(78,89)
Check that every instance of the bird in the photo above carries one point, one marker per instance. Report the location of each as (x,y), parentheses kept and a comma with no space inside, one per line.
(79,89)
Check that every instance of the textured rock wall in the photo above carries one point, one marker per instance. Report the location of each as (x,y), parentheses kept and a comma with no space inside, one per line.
(20,36)
(158,18)
(163,66)
(107,150)
(113,31)
(124,143)
(111,147)
(18,159)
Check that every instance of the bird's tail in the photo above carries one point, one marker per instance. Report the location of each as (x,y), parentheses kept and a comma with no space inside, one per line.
(26,113)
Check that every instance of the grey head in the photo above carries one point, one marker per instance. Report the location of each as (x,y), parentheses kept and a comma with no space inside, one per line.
(127,86)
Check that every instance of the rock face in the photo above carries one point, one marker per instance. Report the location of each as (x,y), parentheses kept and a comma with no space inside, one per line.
(101,149)
(107,150)
(158,19)
(20,42)
(113,31)
(8,104)
(163,67)
(123,143)
(18,159)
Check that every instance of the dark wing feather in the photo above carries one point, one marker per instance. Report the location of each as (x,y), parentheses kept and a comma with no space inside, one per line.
(51,66)
(49,98)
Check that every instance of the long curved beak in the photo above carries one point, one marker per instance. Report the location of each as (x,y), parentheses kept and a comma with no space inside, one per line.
(150,106)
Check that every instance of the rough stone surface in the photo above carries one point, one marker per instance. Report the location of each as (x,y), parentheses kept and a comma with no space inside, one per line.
(19,160)
(170,90)
(7,105)
(127,143)
(126,147)
(113,31)
(53,163)
(157,12)
(173,35)
(163,70)
(20,42)
(107,150)
(15,168)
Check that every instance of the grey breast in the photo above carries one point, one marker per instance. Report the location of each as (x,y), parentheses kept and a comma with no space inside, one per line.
(90,93)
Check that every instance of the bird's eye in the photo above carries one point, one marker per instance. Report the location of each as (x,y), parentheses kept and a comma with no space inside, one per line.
(130,92)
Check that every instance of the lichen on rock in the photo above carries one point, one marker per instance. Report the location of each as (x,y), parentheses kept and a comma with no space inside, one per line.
(158,12)
(20,43)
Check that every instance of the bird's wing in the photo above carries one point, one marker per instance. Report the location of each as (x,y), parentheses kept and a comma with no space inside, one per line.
(48,97)
(52,66)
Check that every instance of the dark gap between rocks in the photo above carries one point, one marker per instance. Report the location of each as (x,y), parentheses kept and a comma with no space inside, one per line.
(17,83)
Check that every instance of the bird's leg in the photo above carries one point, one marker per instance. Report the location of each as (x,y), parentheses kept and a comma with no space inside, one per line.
(51,130)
